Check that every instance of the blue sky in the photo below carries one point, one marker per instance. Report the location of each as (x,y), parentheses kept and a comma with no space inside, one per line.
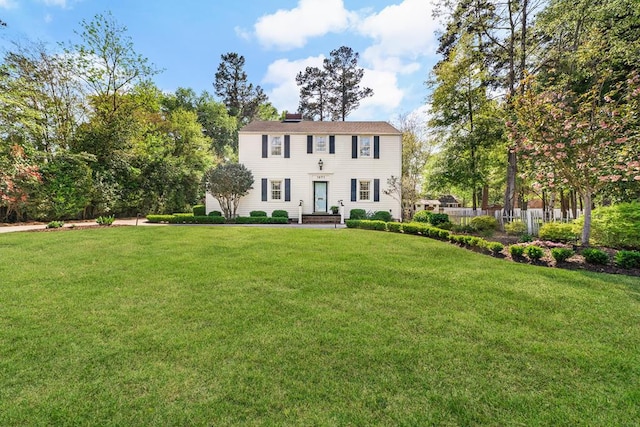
(278,38)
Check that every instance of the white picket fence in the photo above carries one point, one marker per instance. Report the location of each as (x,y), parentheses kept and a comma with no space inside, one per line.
(534,218)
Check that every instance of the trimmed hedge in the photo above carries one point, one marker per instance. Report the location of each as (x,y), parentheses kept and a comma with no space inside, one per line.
(595,256)
(627,259)
(257,213)
(357,214)
(279,213)
(382,216)
(422,216)
(156,219)
(215,213)
(260,220)
(199,210)
(394,227)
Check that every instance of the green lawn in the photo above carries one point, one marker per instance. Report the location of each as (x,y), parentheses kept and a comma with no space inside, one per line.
(256,326)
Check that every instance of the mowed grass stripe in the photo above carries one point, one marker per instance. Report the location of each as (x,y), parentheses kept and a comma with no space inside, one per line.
(259,326)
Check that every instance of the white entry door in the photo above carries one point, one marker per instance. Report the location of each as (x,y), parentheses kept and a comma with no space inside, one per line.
(320,196)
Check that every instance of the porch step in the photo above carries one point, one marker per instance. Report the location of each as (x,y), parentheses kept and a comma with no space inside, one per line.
(321,219)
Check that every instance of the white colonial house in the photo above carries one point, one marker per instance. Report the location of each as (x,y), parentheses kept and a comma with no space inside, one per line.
(306,167)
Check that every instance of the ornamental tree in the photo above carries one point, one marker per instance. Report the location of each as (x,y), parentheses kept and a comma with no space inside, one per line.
(228,183)
(581,141)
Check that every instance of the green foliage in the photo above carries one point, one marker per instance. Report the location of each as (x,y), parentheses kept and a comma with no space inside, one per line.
(278,213)
(484,223)
(228,183)
(105,220)
(561,254)
(357,214)
(159,218)
(260,220)
(515,228)
(617,226)
(516,251)
(199,210)
(55,224)
(422,216)
(410,228)
(257,213)
(627,259)
(439,219)
(215,213)
(382,216)
(534,252)
(595,256)
(495,247)
(395,227)
(352,223)
(558,232)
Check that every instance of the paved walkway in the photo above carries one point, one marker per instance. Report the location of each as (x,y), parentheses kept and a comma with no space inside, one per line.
(143,222)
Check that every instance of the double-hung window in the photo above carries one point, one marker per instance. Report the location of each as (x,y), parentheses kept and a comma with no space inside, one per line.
(276,146)
(276,190)
(365,146)
(321,144)
(364,191)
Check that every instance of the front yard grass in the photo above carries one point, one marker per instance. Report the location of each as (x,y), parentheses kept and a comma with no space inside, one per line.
(253,326)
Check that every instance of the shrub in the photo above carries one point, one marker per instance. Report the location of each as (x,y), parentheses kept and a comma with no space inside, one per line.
(534,252)
(526,237)
(382,216)
(561,254)
(257,213)
(483,223)
(260,220)
(395,227)
(558,232)
(437,219)
(595,256)
(159,218)
(444,225)
(515,228)
(357,214)
(215,213)
(279,213)
(516,251)
(410,228)
(205,219)
(55,224)
(462,228)
(199,210)
(105,220)
(495,247)
(616,226)
(444,234)
(352,223)
(373,225)
(181,218)
(422,216)
(628,259)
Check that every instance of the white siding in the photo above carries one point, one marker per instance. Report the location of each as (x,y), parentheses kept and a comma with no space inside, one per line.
(302,168)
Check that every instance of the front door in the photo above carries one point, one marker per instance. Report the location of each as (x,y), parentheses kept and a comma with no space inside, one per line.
(320,196)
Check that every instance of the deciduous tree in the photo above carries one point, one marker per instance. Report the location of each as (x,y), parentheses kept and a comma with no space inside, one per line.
(228,183)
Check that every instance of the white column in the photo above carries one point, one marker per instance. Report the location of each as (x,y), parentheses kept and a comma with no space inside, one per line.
(341,212)
(300,213)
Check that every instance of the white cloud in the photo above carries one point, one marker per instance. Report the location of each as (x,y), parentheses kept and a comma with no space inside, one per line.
(289,29)
(242,33)
(386,98)
(60,3)
(7,4)
(402,33)
(285,94)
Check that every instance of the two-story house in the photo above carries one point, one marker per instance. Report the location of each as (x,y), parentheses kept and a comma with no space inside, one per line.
(306,167)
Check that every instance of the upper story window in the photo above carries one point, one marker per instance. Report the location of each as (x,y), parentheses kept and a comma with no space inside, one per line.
(321,144)
(364,193)
(276,190)
(365,146)
(276,146)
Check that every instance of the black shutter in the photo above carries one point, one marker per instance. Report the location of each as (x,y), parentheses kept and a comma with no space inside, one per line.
(309,144)
(376,147)
(264,189)
(265,146)
(376,190)
(287,189)
(354,189)
(332,144)
(354,147)
(287,146)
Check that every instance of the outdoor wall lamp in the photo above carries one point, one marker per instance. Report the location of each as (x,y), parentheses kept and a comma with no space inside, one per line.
(320,164)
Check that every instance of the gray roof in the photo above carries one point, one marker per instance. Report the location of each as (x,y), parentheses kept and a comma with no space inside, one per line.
(328,128)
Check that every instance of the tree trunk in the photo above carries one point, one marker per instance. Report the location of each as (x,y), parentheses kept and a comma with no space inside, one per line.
(586,229)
